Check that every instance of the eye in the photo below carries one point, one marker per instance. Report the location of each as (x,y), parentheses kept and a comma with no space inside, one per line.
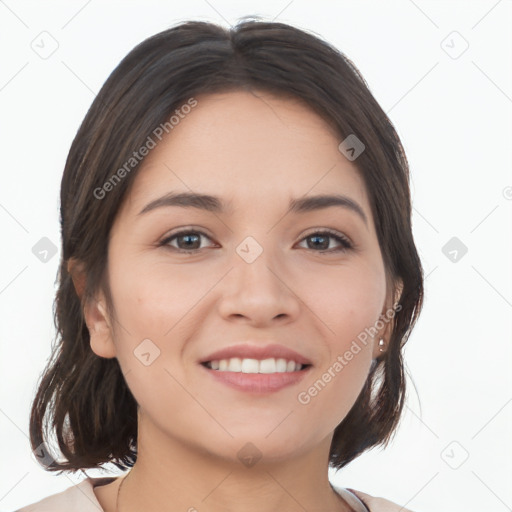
(321,241)
(187,241)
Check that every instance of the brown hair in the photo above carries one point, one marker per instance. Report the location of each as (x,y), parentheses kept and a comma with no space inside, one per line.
(82,398)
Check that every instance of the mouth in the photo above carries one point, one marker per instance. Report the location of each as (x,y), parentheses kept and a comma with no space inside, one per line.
(258,377)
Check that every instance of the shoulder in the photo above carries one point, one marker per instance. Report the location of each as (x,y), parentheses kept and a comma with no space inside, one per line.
(378,504)
(79,498)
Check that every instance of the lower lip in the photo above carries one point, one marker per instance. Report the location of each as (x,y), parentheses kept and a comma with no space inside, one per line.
(258,382)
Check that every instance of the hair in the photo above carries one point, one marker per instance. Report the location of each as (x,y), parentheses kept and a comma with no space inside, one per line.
(82,398)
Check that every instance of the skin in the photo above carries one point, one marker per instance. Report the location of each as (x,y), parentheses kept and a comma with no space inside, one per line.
(257,151)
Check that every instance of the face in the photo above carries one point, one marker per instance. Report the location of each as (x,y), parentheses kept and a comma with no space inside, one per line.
(188,281)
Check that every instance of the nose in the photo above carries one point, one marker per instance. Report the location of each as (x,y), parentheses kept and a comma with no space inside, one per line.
(259,291)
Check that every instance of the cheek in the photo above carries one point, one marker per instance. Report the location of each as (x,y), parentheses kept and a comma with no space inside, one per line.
(347,311)
(156,310)
(151,311)
(348,300)
(151,299)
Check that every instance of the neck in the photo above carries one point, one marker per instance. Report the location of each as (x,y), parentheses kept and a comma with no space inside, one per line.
(170,475)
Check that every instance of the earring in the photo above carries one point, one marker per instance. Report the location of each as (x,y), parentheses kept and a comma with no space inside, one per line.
(381,344)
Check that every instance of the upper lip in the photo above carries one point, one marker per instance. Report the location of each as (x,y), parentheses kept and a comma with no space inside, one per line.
(248,351)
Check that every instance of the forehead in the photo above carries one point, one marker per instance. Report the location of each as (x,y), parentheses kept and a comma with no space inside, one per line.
(247,148)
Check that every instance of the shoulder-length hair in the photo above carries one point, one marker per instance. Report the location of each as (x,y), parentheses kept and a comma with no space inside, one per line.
(83,399)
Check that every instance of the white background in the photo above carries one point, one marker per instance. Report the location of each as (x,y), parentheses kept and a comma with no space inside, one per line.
(453,115)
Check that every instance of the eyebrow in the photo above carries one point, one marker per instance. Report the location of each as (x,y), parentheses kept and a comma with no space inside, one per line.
(215,204)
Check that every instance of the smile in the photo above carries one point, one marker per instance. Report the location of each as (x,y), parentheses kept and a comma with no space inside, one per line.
(256,376)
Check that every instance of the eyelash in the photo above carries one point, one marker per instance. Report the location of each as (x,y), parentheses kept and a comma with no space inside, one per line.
(344,241)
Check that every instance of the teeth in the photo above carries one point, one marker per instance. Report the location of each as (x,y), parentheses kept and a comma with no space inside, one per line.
(272,365)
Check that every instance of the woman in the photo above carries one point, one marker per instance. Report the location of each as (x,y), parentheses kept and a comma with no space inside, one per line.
(238,279)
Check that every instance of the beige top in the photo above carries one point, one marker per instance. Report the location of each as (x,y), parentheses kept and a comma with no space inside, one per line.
(81,498)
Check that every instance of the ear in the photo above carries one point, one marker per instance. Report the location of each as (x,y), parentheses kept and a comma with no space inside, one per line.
(95,313)
(387,318)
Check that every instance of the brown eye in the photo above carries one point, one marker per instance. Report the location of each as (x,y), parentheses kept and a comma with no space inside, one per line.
(187,241)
